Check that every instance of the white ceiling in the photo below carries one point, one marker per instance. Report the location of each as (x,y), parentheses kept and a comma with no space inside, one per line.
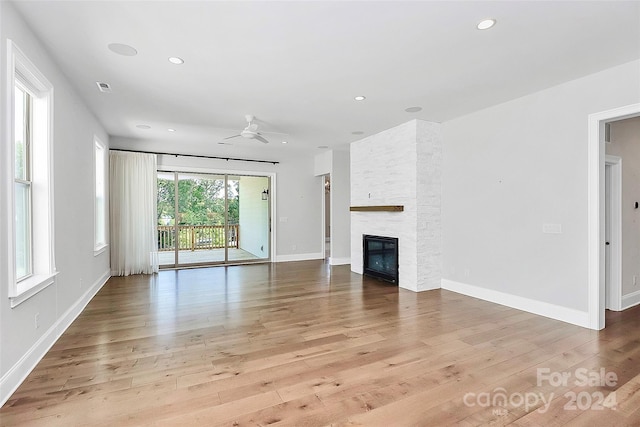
(298,65)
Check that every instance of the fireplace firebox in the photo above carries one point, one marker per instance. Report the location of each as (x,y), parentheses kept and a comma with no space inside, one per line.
(380,257)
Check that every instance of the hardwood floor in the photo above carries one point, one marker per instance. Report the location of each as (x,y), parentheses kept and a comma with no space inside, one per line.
(305,344)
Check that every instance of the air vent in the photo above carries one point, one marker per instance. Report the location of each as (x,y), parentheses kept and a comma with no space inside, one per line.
(104,87)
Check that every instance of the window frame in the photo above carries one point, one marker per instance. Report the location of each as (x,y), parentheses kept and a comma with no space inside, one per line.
(23,73)
(100,243)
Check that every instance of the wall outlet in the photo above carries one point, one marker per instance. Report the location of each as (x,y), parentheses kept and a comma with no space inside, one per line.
(552,228)
(635,280)
(467,272)
(36,320)
(294,247)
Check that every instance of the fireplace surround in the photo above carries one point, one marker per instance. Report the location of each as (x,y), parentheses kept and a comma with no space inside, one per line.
(380,257)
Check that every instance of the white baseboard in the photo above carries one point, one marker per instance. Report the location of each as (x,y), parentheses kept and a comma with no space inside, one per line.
(299,257)
(339,261)
(18,372)
(630,300)
(564,314)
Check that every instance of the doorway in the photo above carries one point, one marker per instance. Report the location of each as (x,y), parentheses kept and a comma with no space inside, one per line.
(327,217)
(613,232)
(596,210)
(211,219)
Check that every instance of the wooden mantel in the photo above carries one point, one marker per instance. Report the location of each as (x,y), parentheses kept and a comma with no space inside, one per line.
(380,208)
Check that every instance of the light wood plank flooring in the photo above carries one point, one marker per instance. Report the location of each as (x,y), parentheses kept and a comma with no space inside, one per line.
(305,344)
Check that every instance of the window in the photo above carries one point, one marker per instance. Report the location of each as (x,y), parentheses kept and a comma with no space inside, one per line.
(31,266)
(22,182)
(100,213)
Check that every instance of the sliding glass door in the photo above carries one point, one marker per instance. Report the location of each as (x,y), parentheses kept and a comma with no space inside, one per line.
(206,219)
(248,211)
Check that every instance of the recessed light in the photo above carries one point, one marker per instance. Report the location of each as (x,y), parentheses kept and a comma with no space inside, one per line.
(176,60)
(122,49)
(357,132)
(486,24)
(360,98)
(413,109)
(143,126)
(285,142)
(323,146)
(171,130)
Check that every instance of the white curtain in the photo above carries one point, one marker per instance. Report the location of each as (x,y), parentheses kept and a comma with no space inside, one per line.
(133,189)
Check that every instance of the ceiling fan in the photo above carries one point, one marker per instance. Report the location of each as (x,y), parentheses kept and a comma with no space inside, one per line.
(251,131)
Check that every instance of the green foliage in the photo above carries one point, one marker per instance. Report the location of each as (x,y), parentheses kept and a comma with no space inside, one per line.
(20,160)
(200,201)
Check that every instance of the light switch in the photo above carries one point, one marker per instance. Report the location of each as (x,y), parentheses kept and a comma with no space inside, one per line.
(284,219)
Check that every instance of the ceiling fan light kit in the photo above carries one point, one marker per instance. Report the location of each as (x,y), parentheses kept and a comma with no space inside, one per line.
(251,131)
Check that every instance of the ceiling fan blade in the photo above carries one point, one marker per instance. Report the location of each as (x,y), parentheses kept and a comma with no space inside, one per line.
(261,138)
(267,125)
(234,136)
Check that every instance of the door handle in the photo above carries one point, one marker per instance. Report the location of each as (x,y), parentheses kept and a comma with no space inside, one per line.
(606,243)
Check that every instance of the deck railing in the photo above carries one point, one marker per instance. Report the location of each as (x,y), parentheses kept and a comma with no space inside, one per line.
(197,237)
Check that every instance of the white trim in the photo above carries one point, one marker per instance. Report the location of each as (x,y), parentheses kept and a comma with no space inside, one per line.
(299,257)
(339,261)
(100,250)
(272,214)
(31,286)
(595,209)
(323,216)
(615,221)
(18,372)
(630,300)
(564,314)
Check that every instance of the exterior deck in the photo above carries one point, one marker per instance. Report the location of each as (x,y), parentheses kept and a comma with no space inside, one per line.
(200,256)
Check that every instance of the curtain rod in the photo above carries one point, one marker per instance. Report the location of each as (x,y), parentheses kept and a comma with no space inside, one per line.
(194,155)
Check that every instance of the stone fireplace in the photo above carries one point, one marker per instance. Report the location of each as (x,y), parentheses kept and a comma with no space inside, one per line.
(400,167)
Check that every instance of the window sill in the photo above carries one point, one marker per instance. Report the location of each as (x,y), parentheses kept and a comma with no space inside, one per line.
(31,286)
(100,249)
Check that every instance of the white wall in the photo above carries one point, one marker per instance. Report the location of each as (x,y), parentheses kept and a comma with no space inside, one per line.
(80,273)
(323,163)
(254,216)
(509,169)
(298,215)
(625,143)
(340,203)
